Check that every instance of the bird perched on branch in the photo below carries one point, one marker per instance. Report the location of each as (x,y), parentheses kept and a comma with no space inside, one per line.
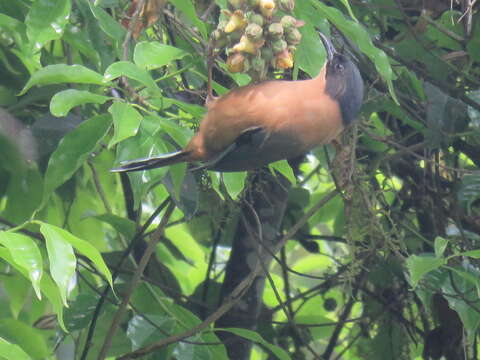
(255,125)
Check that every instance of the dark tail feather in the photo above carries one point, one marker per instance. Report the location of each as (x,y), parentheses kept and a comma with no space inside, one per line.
(152,163)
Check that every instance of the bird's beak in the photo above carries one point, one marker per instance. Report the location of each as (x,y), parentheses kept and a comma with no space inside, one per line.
(328,47)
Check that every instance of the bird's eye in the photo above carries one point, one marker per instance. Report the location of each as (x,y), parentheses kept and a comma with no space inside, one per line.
(339,67)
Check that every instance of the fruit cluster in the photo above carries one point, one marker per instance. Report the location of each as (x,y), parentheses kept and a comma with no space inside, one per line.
(255,36)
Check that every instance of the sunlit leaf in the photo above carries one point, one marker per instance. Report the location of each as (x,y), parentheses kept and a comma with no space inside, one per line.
(234,182)
(440,245)
(65,100)
(52,293)
(472,253)
(152,55)
(285,169)
(46,20)
(62,73)
(83,247)
(12,351)
(47,286)
(178,133)
(26,254)
(108,24)
(62,259)
(126,121)
(188,8)
(28,338)
(132,71)
(418,266)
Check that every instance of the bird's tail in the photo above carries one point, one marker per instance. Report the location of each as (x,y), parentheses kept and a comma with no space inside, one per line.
(152,162)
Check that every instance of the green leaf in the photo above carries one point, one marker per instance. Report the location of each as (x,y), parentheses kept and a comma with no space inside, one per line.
(146,143)
(234,182)
(12,351)
(65,100)
(24,195)
(465,282)
(469,276)
(152,55)
(52,293)
(357,33)
(187,7)
(83,247)
(254,336)
(132,71)
(108,24)
(28,338)
(181,135)
(473,113)
(46,21)
(310,55)
(26,254)
(440,245)
(418,266)
(124,226)
(73,150)
(142,331)
(7,95)
(61,73)
(80,311)
(188,351)
(177,174)
(472,253)
(18,289)
(78,39)
(349,9)
(196,111)
(15,28)
(284,168)
(47,286)
(469,190)
(62,259)
(126,121)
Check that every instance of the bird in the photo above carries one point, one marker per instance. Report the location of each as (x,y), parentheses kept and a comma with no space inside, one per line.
(257,124)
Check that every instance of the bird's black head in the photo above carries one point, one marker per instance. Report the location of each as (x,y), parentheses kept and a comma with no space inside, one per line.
(343,82)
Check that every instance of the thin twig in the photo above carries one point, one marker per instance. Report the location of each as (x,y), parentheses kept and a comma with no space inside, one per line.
(131,26)
(443,29)
(23,231)
(341,322)
(116,272)
(236,294)
(99,188)
(157,235)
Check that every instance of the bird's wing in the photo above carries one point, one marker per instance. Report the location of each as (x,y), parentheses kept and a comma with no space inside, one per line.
(293,118)
(234,156)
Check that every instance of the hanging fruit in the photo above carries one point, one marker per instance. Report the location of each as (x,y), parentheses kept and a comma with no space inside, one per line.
(237,21)
(267,7)
(284,60)
(236,63)
(256,38)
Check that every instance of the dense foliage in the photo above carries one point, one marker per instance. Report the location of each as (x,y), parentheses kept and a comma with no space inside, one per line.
(369,250)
